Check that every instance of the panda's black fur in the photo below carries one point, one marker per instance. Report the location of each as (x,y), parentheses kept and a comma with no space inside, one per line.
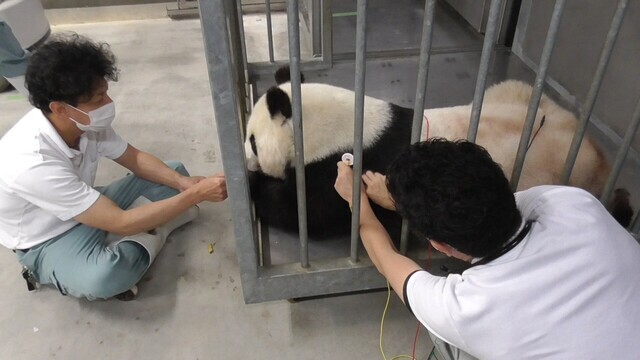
(327,214)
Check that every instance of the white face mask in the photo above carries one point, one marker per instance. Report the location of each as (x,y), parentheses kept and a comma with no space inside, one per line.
(99,119)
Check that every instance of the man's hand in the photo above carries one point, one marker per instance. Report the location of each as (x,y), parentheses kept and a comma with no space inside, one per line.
(212,188)
(377,189)
(186,182)
(344,182)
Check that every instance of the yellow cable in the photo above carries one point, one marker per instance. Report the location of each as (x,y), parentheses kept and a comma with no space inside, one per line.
(384,314)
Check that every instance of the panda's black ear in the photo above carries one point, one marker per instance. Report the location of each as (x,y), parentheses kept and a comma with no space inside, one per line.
(283,75)
(278,102)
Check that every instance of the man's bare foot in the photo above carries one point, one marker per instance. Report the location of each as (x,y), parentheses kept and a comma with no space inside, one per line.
(377,189)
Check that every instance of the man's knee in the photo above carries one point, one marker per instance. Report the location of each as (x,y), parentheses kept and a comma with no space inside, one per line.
(119,270)
(177,166)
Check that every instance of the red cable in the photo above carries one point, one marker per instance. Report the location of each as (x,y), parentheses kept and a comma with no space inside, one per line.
(415,341)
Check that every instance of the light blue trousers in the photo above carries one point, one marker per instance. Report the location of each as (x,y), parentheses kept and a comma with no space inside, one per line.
(13,59)
(80,263)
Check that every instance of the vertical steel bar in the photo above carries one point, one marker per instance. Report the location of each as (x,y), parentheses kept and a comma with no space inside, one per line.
(241,71)
(607,49)
(269,29)
(421,90)
(296,103)
(316,27)
(225,104)
(536,94)
(242,38)
(483,70)
(361,48)
(622,155)
(327,37)
(423,70)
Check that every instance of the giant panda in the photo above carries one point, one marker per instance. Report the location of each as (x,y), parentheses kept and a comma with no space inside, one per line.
(327,118)
(327,114)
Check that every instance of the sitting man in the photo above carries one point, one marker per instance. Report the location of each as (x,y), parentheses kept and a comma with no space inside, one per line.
(13,58)
(552,274)
(51,215)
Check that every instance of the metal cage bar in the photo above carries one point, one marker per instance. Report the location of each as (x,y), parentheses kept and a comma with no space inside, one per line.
(218,54)
(223,40)
(243,44)
(585,114)
(361,65)
(536,93)
(327,37)
(483,70)
(267,4)
(316,63)
(296,104)
(316,27)
(421,89)
(243,48)
(622,155)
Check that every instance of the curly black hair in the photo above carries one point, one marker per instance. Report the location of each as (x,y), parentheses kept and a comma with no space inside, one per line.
(68,68)
(453,192)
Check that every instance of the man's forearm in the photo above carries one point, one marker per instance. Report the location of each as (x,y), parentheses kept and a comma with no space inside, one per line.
(106,215)
(392,265)
(374,236)
(149,167)
(155,170)
(157,213)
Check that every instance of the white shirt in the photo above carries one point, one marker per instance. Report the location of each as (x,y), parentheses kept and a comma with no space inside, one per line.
(569,290)
(44,184)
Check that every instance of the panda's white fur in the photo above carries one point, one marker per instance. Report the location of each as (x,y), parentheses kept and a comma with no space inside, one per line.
(502,118)
(327,127)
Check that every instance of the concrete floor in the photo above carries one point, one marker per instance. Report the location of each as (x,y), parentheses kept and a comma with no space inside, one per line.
(190,304)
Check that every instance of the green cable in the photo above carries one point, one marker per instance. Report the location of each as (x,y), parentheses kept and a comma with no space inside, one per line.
(384,314)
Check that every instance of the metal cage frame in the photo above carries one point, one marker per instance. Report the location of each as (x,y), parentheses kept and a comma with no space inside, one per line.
(229,73)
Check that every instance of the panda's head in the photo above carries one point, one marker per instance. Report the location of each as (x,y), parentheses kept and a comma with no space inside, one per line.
(269,145)
(269,141)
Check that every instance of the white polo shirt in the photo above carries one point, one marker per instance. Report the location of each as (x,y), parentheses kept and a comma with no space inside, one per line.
(44,184)
(569,290)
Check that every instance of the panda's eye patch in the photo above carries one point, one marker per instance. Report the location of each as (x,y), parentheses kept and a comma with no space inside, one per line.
(254,148)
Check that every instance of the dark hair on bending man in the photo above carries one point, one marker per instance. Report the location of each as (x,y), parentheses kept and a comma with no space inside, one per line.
(68,68)
(453,192)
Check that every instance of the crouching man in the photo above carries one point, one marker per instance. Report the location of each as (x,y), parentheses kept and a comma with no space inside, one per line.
(51,215)
(552,274)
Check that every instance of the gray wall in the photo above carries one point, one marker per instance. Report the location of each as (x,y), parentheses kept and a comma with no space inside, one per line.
(474,11)
(61,4)
(581,36)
